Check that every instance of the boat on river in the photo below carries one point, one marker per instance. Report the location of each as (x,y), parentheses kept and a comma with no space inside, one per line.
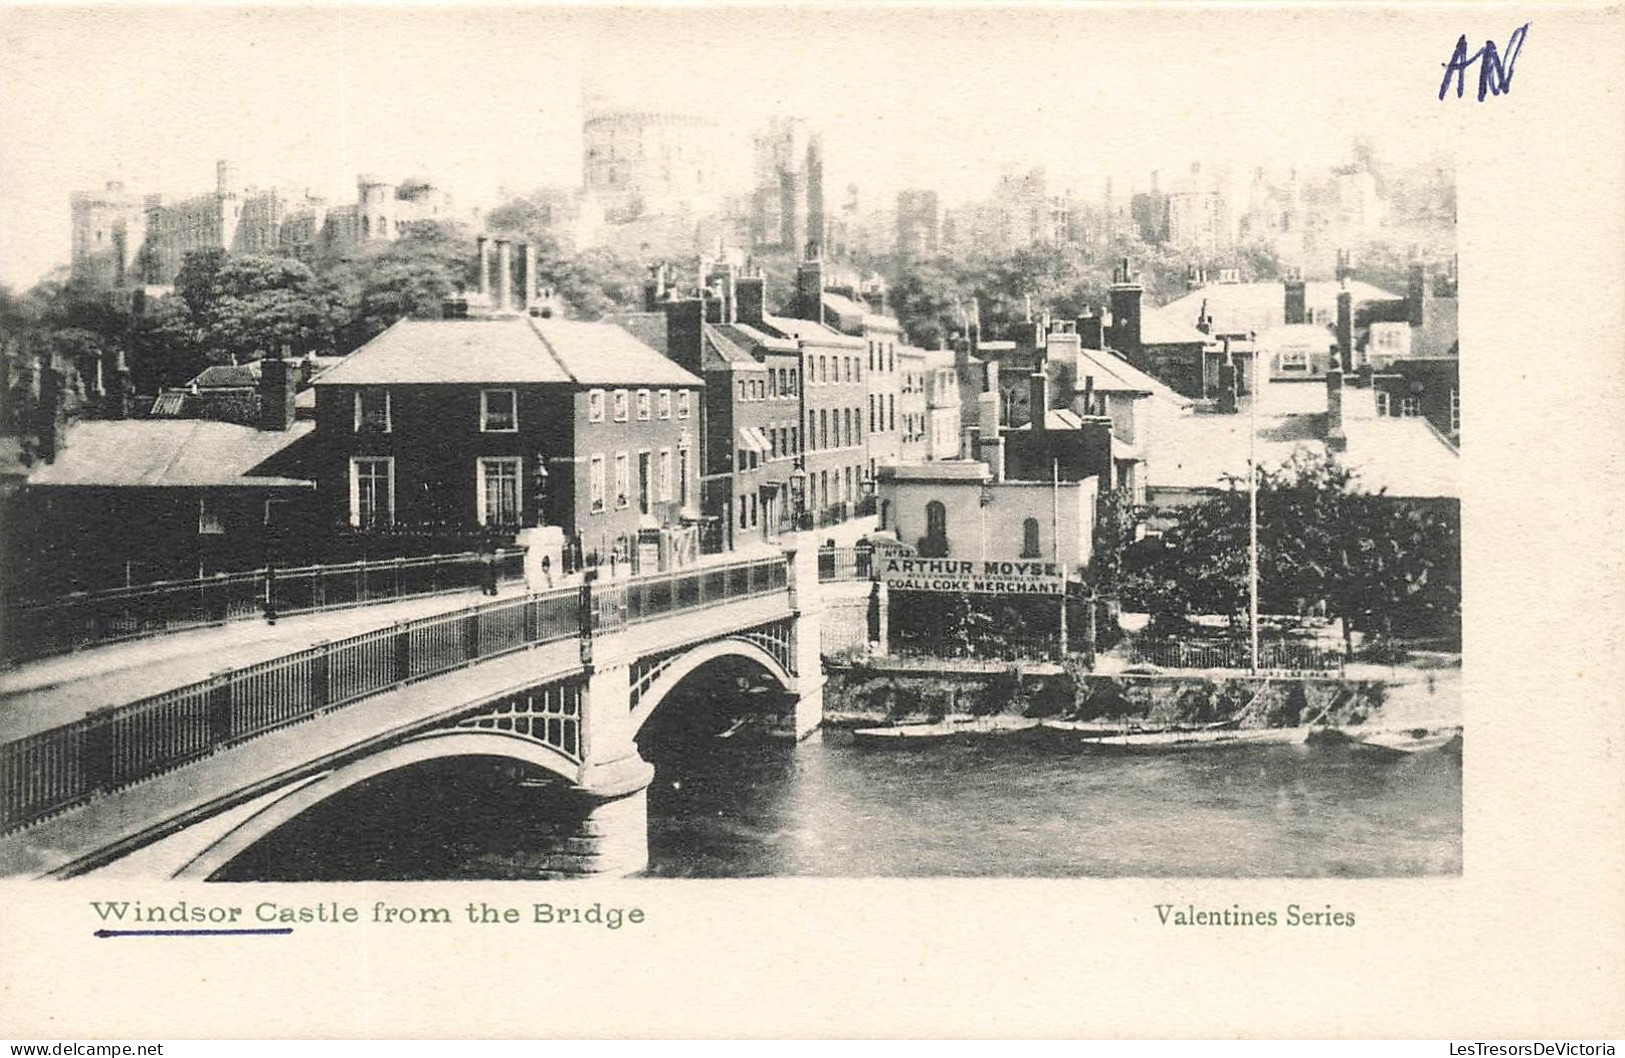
(974,726)
(1411,739)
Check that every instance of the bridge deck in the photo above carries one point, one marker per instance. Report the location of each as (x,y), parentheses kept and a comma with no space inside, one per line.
(125,818)
(59,690)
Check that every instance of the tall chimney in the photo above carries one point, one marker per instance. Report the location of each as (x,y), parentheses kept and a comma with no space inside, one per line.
(1336,439)
(1227,382)
(990,450)
(1125,302)
(278,381)
(504,275)
(484,244)
(1089,331)
(1096,442)
(751,292)
(527,281)
(810,286)
(1417,295)
(1088,407)
(654,288)
(1294,309)
(685,335)
(1345,330)
(1038,397)
(1204,322)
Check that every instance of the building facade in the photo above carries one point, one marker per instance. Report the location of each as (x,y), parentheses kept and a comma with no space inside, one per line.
(512,424)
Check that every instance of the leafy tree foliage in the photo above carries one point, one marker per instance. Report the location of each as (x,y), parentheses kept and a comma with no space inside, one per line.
(1325,544)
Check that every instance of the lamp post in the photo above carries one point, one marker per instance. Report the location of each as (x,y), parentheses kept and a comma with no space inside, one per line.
(798,493)
(1252,528)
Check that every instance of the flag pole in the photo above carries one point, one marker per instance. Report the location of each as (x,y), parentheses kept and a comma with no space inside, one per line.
(1055,537)
(1252,521)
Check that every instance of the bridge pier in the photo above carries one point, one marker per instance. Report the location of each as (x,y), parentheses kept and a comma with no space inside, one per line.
(806,714)
(600,824)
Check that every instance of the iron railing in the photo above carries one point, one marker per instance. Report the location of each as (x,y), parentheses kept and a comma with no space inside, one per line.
(74,622)
(53,770)
(1276,655)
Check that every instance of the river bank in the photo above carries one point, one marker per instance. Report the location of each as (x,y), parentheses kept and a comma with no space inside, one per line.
(870,692)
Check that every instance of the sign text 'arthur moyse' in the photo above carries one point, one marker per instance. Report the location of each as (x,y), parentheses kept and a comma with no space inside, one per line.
(954,575)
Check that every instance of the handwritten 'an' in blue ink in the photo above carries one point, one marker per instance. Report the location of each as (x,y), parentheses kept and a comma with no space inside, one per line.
(1494,77)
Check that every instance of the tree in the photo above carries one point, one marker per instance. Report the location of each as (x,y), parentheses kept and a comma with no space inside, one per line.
(241,308)
(410,277)
(1366,558)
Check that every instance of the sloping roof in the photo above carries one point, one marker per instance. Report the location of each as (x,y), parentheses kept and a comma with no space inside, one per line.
(746,337)
(808,331)
(1403,456)
(162,453)
(228,376)
(1113,374)
(1156,329)
(849,309)
(524,349)
(728,355)
(1240,307)
(1294,335)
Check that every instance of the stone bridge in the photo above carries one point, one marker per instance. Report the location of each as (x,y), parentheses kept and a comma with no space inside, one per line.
(558,684)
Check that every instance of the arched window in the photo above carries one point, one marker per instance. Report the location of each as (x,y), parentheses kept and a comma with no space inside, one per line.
(1029,538)
(935,543)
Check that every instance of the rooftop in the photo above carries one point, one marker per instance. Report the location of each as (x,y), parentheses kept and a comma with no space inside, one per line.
(1241,307)
(170,453)
(520,349)
(1405,457)
(1113,374)
(808,331)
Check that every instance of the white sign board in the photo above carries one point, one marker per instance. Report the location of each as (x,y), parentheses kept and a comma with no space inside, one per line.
(984,577)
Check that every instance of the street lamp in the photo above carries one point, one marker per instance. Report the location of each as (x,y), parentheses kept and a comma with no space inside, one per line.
(798,492)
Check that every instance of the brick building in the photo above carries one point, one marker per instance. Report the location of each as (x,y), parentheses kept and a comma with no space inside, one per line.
(514,424)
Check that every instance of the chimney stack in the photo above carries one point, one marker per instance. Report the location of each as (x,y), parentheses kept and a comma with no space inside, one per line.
(504,275)
(1038,397)
(1336,439)
(1088,407)
(810,286)
(1294,310)
(1204,322)
(1227,382)
(1345,330)
(1095,432)
(1089,330)
(685,334)
(527,280)
(484,244)
(278,381)
(1345,270)
(1125,303)
(1417,295)
(751,292)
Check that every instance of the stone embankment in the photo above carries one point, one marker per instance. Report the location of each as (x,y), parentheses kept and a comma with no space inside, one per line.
(865,692)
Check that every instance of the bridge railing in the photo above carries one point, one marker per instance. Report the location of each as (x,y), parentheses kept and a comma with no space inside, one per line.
(56,769)
(86,619)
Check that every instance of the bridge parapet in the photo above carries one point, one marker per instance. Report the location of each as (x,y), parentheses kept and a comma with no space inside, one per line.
(51,771)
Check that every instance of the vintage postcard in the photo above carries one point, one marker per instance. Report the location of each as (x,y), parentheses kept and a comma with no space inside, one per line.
(905,520)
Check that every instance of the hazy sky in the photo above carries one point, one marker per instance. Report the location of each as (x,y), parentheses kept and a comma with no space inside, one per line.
(484,99)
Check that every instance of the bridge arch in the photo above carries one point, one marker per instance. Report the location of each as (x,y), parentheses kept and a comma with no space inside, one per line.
(673,671)
(432,745)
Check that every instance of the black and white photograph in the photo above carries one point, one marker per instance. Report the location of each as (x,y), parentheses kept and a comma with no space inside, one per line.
(584,446)
(639,473)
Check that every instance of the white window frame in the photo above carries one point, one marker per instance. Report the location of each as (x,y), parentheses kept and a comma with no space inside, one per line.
(355,486)
(595,405)
(480,465)
(622,403)
(1382,402)
(389,410)
(623,481)
(597,495)
(664,410)
(645,406)
(665,475)
(682,403)
(485,411)
(1410,407)
(1455,410)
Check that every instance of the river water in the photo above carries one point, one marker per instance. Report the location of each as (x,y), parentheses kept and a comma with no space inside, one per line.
(1005,806)
(998,806)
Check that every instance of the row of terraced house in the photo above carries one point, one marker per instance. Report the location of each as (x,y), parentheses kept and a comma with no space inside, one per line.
(704,423)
